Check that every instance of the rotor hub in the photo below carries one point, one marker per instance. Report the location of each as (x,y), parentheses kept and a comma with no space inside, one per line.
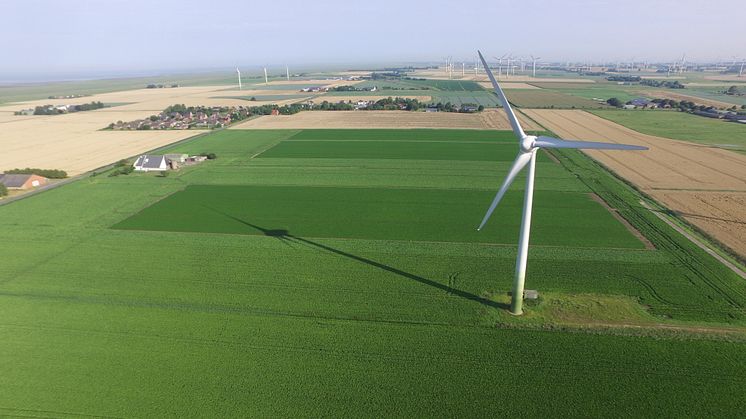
(527,143)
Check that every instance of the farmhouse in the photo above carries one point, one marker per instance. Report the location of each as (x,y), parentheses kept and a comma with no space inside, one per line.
(22,182)
(151,162)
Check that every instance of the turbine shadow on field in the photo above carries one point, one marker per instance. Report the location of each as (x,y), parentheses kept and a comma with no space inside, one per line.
(285,236)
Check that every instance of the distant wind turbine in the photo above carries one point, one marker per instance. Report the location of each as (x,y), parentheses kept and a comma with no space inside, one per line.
(534,61)
(239,78)
(528,146)
(287,72)
(266,81)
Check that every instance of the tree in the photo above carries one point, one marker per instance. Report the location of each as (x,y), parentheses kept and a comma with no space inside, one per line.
(3,190)
(615,102)
(733,90)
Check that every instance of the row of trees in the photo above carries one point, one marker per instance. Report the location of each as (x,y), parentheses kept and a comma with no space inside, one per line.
(734,91)
(629,79)
(47,173)
(52,110)
(675,84)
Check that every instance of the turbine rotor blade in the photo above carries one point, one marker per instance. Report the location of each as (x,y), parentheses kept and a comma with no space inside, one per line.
(551,142)
(519,163)
(503,100)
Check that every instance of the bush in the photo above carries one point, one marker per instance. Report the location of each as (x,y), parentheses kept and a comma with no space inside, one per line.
(210,156)
(615,102)
(3,190)
(47,173)
(122,170)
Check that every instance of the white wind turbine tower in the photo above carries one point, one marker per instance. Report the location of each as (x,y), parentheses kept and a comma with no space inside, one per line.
(528,146)
(266,81)
(287,72)
(533,59)
(239,78)
(499,64)
(740,73)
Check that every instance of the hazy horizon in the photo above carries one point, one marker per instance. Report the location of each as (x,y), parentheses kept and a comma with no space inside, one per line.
(82,39)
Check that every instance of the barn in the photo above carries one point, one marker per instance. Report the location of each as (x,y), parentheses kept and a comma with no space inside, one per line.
(151,162)
(22,181)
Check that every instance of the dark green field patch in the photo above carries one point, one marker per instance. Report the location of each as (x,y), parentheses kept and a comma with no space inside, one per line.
(415,150)
(560,218)
(406,135)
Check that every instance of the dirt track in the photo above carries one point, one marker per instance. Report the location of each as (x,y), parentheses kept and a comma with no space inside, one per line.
(489,119)
(705,185)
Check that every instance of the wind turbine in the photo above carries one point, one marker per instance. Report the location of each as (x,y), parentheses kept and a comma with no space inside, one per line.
(528,146)
(239,78)
(500,64)
(287,72)
(266,81)
(534,65)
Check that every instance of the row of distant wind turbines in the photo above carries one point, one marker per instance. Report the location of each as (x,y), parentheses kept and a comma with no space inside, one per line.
(510,67)
(266,79)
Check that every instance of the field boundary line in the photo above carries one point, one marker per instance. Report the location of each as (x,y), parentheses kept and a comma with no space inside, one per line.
(615,213)
(696,241)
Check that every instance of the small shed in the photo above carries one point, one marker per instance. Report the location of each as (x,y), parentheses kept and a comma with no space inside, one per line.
(531,294)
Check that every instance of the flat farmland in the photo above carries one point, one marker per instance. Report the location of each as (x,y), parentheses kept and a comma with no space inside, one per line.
(544,98)
(676,173)
(384,120)
(76,143)
(254,285)
(681,126)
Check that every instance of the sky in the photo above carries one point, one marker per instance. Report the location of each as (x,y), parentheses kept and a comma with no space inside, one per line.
(52,39)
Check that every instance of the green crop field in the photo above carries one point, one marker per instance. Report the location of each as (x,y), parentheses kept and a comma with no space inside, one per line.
(306,273)
(716,93)
(455,91)
(545,98)
(594,91)
(681,126)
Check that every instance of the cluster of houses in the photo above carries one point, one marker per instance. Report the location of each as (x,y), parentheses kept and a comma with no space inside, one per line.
(179,120)
(163,162)
(22,181)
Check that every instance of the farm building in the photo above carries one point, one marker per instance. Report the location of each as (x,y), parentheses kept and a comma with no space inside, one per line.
(22,182)
(151,162)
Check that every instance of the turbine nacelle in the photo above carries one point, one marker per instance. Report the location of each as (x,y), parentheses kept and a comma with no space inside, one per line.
(527,143)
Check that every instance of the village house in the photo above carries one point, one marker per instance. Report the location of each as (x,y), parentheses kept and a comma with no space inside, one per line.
(22,181)
(151,162)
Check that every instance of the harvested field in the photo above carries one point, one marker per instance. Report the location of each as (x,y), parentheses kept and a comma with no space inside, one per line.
(508,86)
(334,98)
(686,177)
(726,77)
(489,119)
(315,82)
(668,94)
(724,212)
(75,143)
(441,74)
